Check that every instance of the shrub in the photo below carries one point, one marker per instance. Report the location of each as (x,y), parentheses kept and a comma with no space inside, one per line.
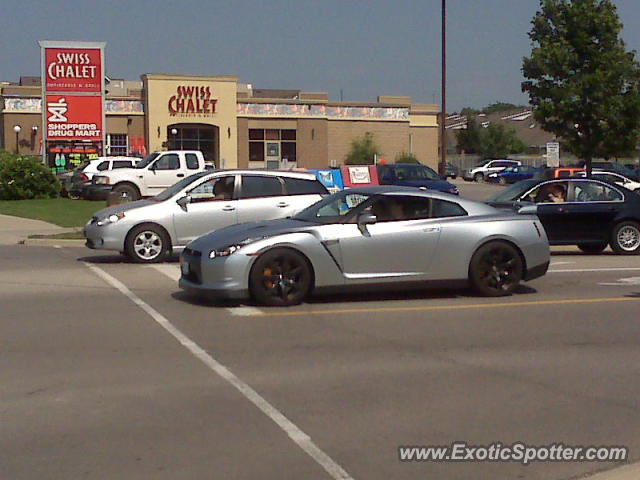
(405,157)
(363,151)
(24,178)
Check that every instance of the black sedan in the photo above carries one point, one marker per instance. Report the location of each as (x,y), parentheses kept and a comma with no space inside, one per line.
(585,212)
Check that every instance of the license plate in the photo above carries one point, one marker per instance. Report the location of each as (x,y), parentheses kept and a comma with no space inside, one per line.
(185,268)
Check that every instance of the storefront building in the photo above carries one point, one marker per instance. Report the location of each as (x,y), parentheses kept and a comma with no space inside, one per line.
(233,124)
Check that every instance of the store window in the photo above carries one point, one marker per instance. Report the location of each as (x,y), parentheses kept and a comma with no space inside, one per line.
(272,146)
(117,144)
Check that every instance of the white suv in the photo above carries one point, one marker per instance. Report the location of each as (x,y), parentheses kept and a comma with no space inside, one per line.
(481,171)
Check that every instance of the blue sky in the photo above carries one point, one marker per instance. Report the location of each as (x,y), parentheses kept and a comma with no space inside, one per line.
(364,48)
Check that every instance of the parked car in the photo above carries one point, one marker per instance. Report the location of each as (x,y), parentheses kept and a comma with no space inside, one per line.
(369,237)
(152,175)
(451,171)
(615,167)
(413,175)
(480,172)
(148,230)
(514,174)
(612,177)
(592,215)
(82,175)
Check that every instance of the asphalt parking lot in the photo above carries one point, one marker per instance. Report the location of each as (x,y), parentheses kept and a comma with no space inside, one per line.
(109,371)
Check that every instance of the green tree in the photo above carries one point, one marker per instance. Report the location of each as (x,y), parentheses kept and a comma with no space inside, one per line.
(469,139)
(582,82)
(363,151)
(498,141)
(500,107)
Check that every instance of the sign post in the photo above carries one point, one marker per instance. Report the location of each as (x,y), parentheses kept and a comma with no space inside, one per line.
(73,88)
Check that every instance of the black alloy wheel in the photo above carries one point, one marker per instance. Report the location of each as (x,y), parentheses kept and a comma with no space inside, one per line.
(280,277)
(496,269)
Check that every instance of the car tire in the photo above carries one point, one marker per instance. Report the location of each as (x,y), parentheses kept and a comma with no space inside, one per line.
(496,269)
(592,248)
(126,190)
(453,177)
(625,238)
(478,177)
(280,277)
(502,181)
(147,243)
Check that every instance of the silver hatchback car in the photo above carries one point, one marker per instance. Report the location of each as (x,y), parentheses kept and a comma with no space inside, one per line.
(148,230)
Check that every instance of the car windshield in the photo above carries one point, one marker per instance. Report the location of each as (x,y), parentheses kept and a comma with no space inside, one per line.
(147,160)
(334,208)
(513,192)
(416,172)
(176,187)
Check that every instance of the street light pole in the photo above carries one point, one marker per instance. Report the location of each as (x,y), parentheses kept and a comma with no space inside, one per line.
(443,114)
(17,128)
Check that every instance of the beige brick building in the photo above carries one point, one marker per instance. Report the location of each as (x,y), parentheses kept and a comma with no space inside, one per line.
(234,124)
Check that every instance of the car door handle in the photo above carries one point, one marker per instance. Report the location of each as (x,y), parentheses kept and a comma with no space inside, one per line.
(180,175)
(562,210)
(282,204)
(228,208)
(431,229)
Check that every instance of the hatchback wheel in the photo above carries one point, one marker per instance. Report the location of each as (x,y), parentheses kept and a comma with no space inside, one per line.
(478,177)
(147,244)
(591,248)
(625,238)
(495,269)
(280,277)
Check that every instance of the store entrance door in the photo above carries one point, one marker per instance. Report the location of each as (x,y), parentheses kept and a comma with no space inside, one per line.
(191,136)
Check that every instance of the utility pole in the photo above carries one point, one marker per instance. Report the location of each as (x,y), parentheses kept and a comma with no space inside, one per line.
(443,114)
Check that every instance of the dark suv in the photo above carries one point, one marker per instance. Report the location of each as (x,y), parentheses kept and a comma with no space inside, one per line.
(413,175)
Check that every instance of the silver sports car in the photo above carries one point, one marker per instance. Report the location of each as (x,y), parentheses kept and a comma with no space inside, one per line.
(369,237)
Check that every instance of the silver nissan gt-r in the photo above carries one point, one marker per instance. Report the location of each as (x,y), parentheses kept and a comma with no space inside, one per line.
(390,237)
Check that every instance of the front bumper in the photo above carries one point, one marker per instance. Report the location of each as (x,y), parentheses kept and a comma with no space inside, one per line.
(221,278)
(96,192)
(108,237)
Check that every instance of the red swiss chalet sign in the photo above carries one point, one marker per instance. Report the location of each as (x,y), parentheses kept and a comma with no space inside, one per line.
(74,117)
(73,70)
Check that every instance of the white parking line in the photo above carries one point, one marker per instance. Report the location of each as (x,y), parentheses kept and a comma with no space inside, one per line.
(560,263)
(173,272)
(293,431)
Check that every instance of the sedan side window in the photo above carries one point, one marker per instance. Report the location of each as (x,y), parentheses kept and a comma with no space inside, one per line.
(444,208)
(596,192)
(254,186)
(219,188)
(393,208)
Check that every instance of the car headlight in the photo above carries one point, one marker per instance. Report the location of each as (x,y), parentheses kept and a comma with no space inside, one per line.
(113,218)
(229,249)
(101,180)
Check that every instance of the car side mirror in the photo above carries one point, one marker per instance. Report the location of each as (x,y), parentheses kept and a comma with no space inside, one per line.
(184,201)
(528,210)
(364,219)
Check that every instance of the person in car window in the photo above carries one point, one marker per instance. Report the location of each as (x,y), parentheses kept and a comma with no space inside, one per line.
(223,190)
(557,194)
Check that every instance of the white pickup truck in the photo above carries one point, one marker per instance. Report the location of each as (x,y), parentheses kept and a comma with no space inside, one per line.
(152,175)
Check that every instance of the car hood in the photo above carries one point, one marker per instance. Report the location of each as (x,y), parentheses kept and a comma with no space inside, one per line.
(238,233)
(123,207)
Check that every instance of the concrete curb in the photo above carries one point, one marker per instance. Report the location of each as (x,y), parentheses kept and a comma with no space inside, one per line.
(51,242)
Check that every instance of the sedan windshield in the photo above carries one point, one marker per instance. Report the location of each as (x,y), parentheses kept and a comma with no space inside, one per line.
(334,208)
(514,192)
(175,188)
(147,160)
